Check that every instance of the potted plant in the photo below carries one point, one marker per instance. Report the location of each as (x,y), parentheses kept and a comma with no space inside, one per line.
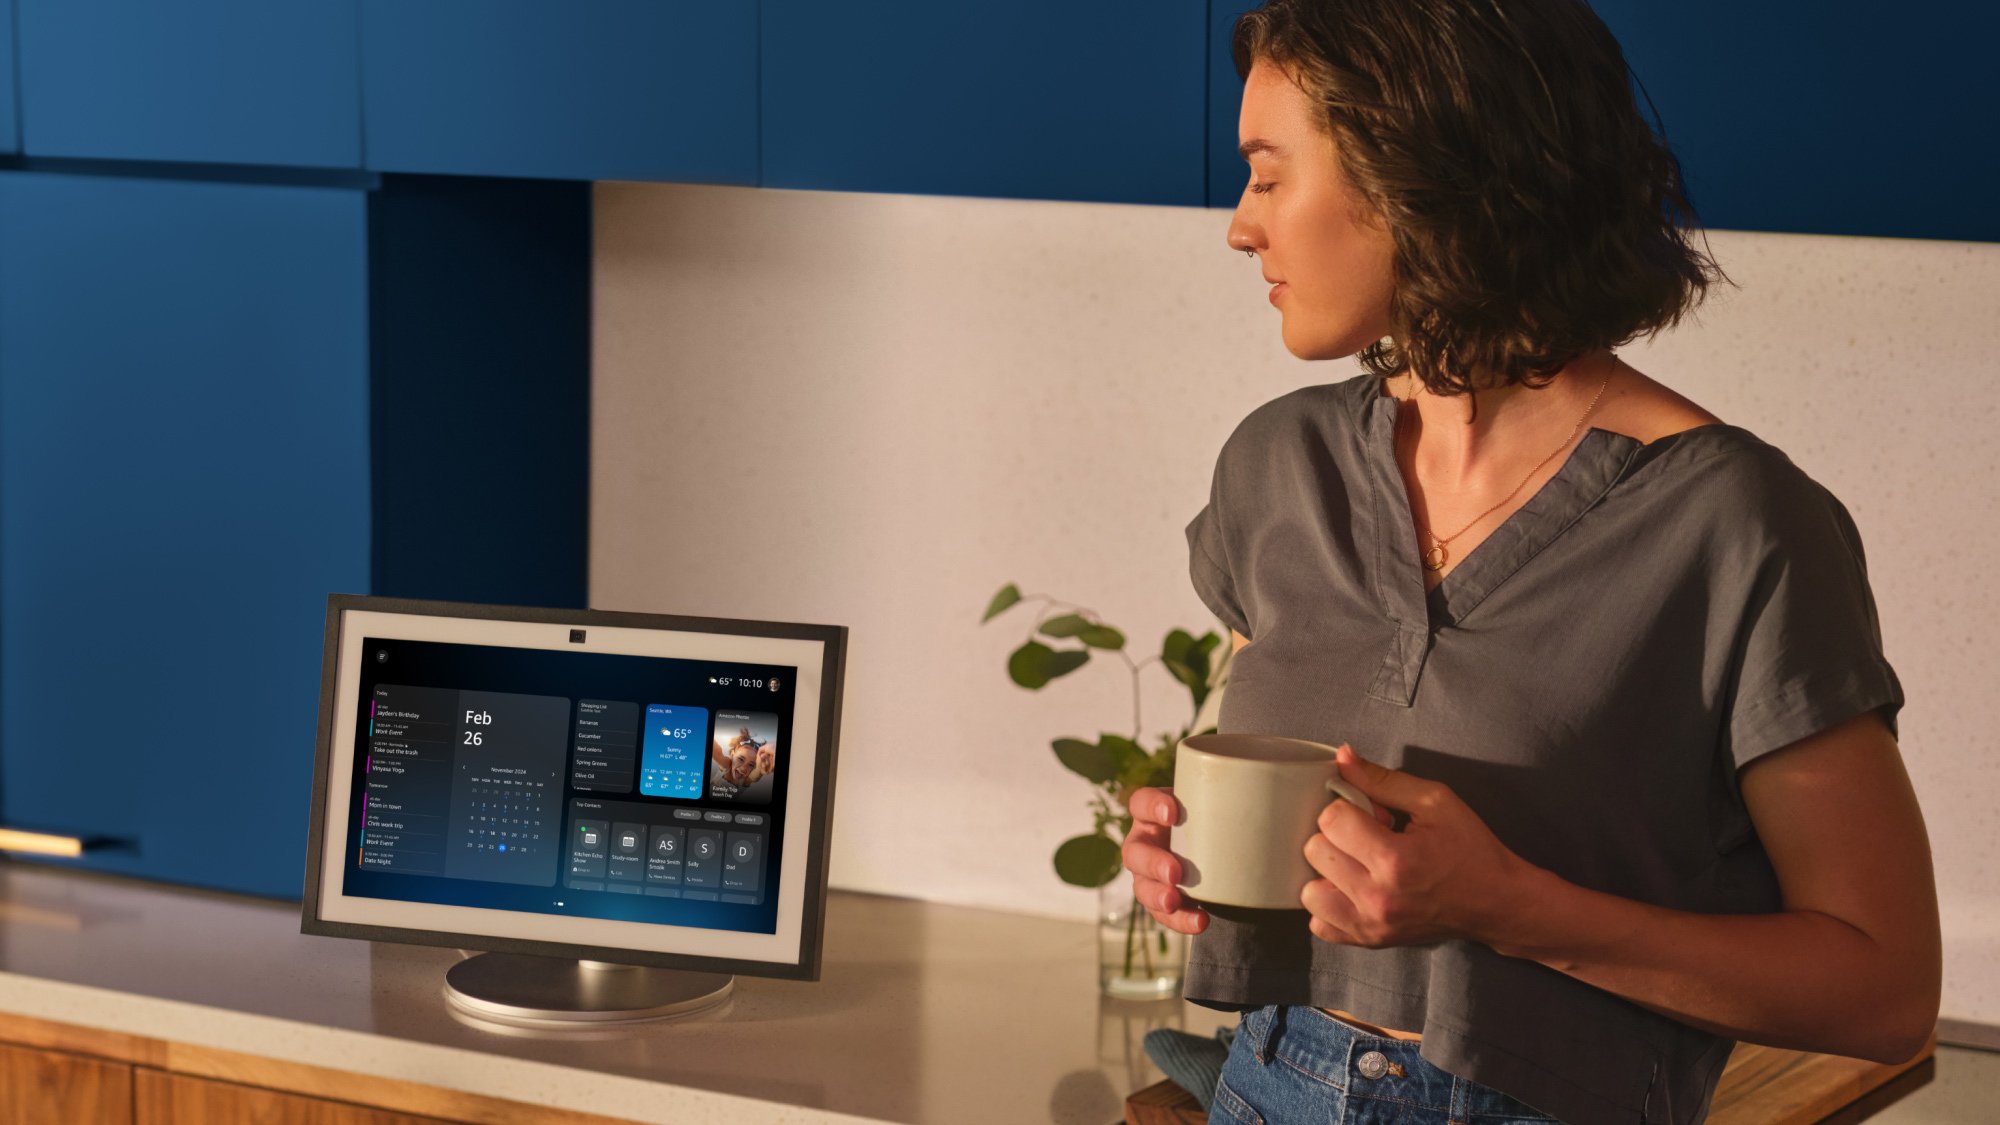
(1137,957)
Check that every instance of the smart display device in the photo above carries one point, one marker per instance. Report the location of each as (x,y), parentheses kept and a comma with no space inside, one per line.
(623,810)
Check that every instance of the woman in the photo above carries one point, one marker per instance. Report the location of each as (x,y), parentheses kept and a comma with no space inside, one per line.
(1567,618)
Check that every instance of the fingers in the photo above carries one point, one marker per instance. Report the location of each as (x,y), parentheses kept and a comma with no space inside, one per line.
(1352,836)
(1146,855)
(1155,805)
(1332,912)
(1167,906)
(1332,863)
(1155,869)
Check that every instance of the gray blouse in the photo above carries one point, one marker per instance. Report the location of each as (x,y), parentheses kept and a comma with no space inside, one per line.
(1589,679)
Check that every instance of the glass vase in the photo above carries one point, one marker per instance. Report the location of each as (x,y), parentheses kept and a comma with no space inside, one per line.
(1137,957)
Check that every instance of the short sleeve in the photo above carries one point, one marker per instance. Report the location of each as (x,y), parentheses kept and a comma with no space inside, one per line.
(1209,558)
(1809,640)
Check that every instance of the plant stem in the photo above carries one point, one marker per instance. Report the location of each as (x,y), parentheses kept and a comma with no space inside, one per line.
(1131,922)
(1145,947)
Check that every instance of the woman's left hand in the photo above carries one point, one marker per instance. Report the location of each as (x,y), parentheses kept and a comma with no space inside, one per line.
(1437,879)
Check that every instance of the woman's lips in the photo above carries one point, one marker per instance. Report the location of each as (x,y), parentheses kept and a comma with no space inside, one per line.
(1276,290)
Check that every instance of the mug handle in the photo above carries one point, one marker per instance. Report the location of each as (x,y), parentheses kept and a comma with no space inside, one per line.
(1348,792)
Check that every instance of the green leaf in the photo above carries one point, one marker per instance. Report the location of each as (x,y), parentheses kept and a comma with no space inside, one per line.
(1120,747)
(1034,664)
(1130,761)
(1090,761)
(1197,661)
(1186,660)
(1067,625)
(1088,861)
(1102,636)
(1064,662)
(1136,771)
(1008,595)
(1025,665)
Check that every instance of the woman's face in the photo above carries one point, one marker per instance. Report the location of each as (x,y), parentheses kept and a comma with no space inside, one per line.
(1307,226)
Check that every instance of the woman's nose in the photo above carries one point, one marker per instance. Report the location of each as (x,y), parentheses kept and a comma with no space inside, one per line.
(1240,236)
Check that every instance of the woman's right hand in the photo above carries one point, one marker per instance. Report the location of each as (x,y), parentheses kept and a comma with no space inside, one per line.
(1156,871)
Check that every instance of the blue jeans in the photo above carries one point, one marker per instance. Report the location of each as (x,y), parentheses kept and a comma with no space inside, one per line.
(1291,1063)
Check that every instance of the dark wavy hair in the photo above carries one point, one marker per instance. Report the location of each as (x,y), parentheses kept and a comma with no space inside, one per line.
(1535,215)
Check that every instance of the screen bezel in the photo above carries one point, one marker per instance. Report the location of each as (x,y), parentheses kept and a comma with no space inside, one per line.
(805,965)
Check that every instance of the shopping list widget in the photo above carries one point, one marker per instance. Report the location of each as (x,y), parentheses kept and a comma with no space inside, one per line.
(585,797)
(605,747)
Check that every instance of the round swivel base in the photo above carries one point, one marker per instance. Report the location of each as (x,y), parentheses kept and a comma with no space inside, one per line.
(525,991)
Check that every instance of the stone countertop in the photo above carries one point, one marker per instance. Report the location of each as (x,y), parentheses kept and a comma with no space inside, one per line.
(924,1012)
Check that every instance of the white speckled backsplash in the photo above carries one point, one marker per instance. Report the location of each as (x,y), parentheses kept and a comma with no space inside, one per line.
(874,410)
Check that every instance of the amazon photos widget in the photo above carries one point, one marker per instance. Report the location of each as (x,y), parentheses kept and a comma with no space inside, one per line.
(743,757)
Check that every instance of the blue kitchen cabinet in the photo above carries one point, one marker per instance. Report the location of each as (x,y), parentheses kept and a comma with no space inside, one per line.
(184,451)
(479,385)
(1228,173)
(605,90)
(1828,117)
(1821,118)
(222,401)
(198,81)
(1041,99)
(10,136)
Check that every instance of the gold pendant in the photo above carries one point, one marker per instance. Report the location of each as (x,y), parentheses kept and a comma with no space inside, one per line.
(1434,557)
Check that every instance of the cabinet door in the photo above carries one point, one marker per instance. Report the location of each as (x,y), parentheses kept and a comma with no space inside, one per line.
(10,140)
(177,1099)
(1041,99)
(223,81)
(1824,118)
(1774,110)
(183,479)
(604,90)
(1228,174)
(37,1087)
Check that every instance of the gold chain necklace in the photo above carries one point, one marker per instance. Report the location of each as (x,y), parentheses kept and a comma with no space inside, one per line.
(1435,555)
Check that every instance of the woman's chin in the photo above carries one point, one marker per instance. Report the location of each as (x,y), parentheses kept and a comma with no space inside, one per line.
(1317,346)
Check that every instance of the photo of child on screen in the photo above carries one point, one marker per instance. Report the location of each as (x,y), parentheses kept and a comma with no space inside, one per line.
(743,757)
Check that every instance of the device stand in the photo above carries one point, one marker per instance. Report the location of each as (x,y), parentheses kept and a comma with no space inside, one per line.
(527,991)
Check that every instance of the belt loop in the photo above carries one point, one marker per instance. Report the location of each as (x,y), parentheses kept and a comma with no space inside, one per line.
(1261,1043)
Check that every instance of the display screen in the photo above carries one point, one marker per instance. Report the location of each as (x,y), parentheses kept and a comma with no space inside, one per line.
(637,788)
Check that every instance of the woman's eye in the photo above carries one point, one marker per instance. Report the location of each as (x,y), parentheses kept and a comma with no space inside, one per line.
(1259,189)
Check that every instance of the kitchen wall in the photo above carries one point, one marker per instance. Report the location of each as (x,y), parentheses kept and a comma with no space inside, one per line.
(875,409)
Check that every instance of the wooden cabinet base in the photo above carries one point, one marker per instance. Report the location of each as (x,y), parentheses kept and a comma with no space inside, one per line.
(61,1072)
(38,1086)
(160,1098)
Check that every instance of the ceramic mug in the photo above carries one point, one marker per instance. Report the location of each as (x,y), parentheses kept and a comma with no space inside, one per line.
(1252,801)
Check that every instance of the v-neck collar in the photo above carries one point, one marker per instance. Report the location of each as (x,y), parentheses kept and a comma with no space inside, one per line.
(1594,464)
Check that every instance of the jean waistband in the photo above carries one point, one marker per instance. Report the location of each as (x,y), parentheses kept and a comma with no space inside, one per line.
(1367,1066)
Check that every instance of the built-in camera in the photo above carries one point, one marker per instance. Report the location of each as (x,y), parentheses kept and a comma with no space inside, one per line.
(576,636)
